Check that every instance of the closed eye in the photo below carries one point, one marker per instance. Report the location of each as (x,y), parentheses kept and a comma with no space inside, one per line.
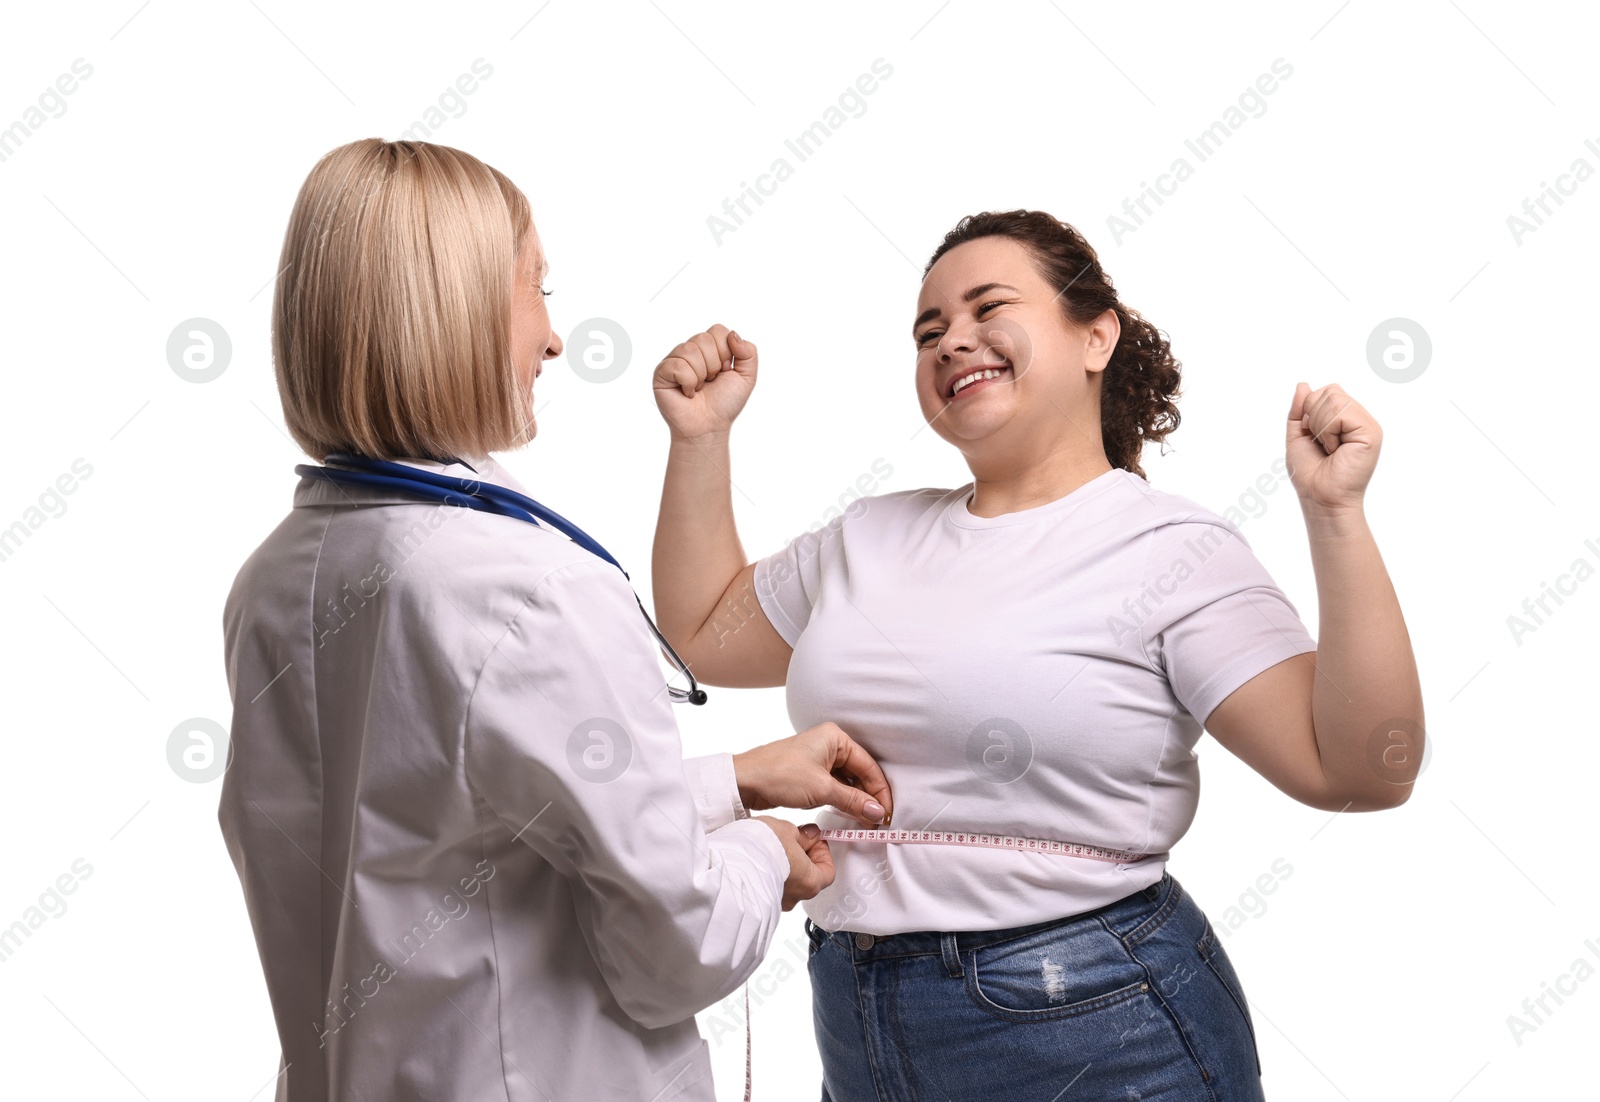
(922,340)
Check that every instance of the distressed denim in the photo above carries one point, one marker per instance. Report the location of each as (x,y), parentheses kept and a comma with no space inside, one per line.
(1134,1000)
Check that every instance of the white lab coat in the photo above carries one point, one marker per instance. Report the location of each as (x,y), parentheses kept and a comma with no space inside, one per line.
(476,862)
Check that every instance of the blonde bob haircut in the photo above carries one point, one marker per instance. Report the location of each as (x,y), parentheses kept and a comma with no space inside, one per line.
(391,315)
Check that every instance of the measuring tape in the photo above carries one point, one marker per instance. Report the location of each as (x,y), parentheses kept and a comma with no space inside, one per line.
(990,841)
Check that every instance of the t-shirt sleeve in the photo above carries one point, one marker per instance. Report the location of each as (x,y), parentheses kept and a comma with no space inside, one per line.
(787,582)
(1216,617)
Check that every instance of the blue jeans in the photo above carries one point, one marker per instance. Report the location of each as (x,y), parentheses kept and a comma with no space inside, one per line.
(1133,1000)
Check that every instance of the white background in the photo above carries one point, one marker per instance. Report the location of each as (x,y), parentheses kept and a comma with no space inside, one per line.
(1376,184)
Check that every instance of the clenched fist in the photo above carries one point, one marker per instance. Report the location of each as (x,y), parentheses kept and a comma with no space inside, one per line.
(1332,449)
(702,384)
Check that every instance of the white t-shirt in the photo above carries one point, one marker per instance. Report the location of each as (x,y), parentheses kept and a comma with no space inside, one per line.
(1043,673)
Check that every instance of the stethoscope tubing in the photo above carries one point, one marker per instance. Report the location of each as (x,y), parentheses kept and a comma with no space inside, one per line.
(398,476)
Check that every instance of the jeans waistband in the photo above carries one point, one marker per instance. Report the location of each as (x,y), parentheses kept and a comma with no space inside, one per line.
(1125,916)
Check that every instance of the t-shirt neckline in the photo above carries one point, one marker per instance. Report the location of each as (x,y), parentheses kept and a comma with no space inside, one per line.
(958,514)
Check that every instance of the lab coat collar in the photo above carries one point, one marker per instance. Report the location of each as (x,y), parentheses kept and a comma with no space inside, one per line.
(315,491)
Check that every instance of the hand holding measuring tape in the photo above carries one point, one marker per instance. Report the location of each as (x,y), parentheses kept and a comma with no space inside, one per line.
(820,765)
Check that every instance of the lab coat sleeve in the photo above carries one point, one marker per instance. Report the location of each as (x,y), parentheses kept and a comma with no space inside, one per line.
(716,790)
(570,739)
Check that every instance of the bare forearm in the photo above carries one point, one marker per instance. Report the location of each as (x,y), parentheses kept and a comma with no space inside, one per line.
(697,550)
(1366,676)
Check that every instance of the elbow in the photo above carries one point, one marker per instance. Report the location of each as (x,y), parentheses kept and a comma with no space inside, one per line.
(651,1012)
(661,999)
(1384,796)
(677,633)
(679,978)
(1388,798)
(650,994)
(1381,779)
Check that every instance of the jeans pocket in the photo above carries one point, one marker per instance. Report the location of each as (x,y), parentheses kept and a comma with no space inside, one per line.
(814,938)
(1064,970)
(1216,959)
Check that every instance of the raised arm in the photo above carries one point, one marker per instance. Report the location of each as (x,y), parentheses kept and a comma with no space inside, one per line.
(705,595)
(1340,729)
(705,601)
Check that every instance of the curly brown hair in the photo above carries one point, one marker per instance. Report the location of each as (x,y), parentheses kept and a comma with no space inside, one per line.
(1141,380)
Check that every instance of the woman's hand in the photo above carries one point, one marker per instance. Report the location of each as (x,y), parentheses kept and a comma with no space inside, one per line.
(822,765)
(1332,449)
(810,860)
(702,384)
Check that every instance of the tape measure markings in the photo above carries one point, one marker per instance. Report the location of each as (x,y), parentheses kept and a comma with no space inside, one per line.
(991,841)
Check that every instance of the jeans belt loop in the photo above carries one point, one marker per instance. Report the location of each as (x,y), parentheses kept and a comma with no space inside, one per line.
(951,954)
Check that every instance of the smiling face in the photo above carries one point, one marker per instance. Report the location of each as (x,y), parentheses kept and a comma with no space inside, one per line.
(532,338)
(985,311)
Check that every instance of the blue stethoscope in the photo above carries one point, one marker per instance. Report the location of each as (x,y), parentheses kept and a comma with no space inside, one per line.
(488,498)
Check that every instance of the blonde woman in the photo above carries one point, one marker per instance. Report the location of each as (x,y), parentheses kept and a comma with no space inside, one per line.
(1033,656)
(475,860)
